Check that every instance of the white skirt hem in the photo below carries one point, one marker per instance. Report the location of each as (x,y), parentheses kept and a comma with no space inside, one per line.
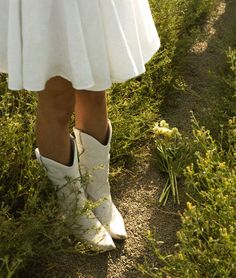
(91,87)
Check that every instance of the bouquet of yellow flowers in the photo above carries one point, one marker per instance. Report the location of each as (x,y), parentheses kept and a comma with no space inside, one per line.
(173,154)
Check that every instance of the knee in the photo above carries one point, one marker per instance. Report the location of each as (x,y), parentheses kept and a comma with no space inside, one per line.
(57,101)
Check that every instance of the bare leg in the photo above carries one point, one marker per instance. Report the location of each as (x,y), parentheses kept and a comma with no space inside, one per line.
(91,114)
(55,107)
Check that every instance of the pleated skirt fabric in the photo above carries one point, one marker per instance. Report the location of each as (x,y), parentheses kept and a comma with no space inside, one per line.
(92,43)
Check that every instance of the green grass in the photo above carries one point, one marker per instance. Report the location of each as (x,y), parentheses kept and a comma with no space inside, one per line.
(31,230)
(207,238)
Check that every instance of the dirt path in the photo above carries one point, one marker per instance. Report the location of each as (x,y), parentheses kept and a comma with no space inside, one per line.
(206,60)
(136,193)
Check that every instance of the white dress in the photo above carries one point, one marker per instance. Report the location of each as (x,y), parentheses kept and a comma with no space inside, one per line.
(92,43)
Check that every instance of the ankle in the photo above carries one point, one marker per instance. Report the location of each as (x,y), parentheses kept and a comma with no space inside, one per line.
(58,151)
(101,135)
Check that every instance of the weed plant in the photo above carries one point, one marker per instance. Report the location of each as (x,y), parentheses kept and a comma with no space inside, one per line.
(207,238)
(231,81)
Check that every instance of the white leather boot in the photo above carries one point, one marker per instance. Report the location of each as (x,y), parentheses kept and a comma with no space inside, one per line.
(94,163)
(72,200)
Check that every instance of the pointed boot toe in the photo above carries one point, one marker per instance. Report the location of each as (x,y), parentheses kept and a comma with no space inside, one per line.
(111,219)
(93,234)
(104,244)
(117,226)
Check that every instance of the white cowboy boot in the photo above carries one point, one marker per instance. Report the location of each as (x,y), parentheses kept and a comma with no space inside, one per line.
(72,200)
(94,163)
